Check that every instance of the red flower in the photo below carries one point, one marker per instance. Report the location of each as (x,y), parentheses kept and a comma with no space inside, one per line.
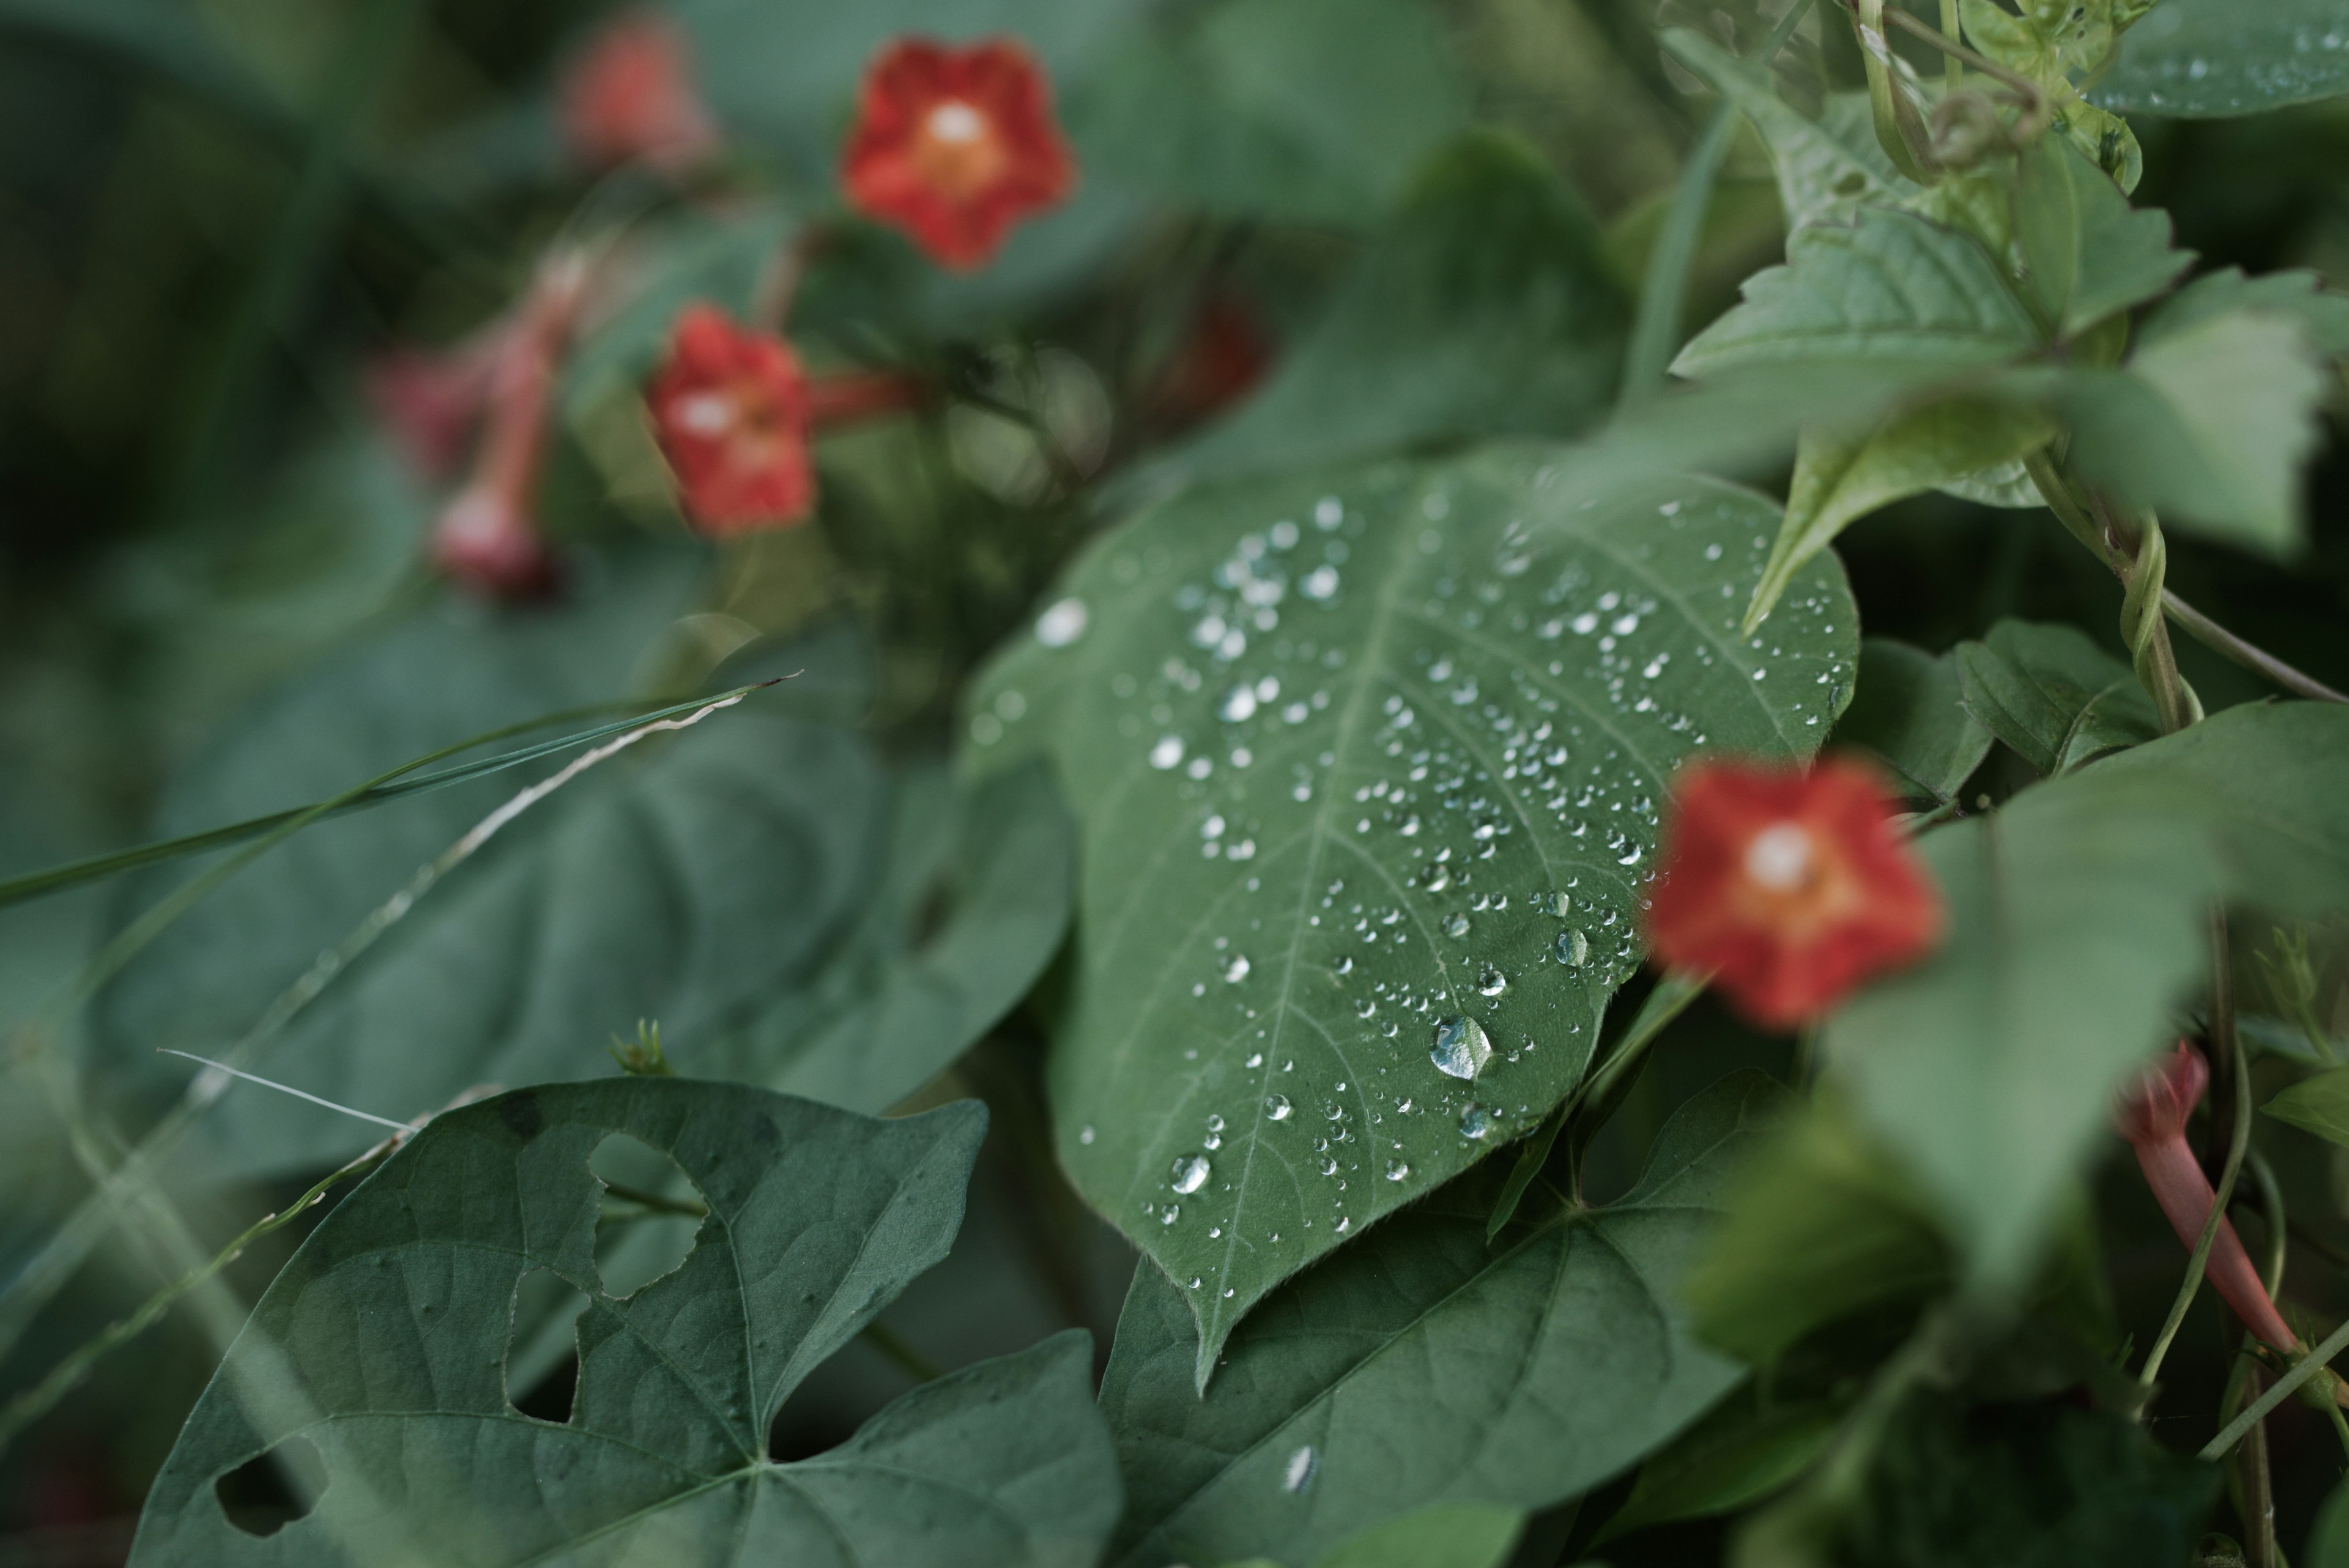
(2152,1116)
(729,409)
(955,146)
(628,96)
(1224,356)
(1790,884)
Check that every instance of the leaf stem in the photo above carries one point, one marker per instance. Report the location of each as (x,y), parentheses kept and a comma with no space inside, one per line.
(899,1353)
(2222,1030)
(2282,1388)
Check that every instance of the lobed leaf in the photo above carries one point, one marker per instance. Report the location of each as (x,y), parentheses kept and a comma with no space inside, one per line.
(1368,765)
(2086,253)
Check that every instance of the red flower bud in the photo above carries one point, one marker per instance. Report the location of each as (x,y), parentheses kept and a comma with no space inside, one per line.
(430,402)
(2152,1116)
(1790,884)
(1224,356)
(628,98)
(956,146)
(486,541)
(729,409)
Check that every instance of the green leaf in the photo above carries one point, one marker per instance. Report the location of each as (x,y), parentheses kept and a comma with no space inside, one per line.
(1419,1364)
(2328,1539)
(1442,1535)
(2208,425)
(1820,1223)
(2086,253)
(2076,920)
(687,883)
(1907,710)
(2319,1104)
(1314,109)
(382,1344)
(1895,286)
(2026,1486)
(2053,695)
(2302,295)
(1485,307)
(1827,168)
(1842,475)
(1355,756)
(1734,1459)
(2207,59)
(971,901)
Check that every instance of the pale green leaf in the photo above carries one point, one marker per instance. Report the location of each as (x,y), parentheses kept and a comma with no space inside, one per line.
(2198,59)
(382,1346)
(1485,307)
(1421,1365)
(1827,168)
(2319,1104)
(2053,695)
(1895,286)
(1842,475)
(1355,754)
(1907,710)
(2301,295)
(2086,252)
(2208,425)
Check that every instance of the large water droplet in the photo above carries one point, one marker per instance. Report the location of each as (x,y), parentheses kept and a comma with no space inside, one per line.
(1062,624)
(1166,752)
(1277,1107)
(1461,1049)
(1573,948)
(1237,969)
(1320,584)
(1475,1122)
(1299,1475)
(1239,705)
(1491,982)
(1398,1171)
(1171,1213)
(1457,926)
(1190,1173)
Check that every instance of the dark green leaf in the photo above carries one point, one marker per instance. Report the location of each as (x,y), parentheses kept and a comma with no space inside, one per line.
(2319,1104)
(2216,58)
(1485,308)
(2328,1540)
(1896,287)
(2040,1486)
(1907,710)
(1367,765)
(1443,1535)
(2086,252)
(1734,1459)
(382,1346)
(2053,694)
(1421,1365)
(1820,1223)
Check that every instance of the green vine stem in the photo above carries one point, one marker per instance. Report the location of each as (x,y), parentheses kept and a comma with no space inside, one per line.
(2282,1388)
(2147,634)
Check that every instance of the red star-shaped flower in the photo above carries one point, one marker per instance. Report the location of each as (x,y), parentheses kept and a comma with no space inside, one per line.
(1790,884)
(628,96)
(729,409)
(955,146)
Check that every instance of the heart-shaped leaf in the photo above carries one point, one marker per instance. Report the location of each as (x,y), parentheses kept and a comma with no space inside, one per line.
(381,1349)
(1368,765)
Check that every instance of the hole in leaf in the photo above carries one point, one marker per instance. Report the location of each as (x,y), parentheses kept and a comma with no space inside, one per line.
(544,1304)
(651,1211)
(271,1491)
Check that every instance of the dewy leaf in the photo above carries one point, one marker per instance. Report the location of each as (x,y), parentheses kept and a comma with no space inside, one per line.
(2204,58)
(687,889)
(1907,710)
(1485,307)
(2053,694)
(1367,765)
(2319,1104)
(2207,424)
(1841,475)
(1827,168)
(2086,252)
(2076,918)
(381,1345)
(1894,286)
(1419,1364)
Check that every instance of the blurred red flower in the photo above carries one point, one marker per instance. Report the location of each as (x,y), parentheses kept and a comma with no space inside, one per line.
(1790,884)
(1225,353)
(431,401)
(729,408)
(955,146)
(628,96)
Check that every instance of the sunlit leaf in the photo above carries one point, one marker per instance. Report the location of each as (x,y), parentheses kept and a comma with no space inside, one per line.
(1421,1365)
(1367,765)
(382,1346)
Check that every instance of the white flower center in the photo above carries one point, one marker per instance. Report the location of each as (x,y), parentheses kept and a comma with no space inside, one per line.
(955,121)
(1779,857)
(706,413)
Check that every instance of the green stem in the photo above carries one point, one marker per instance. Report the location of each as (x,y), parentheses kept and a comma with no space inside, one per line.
(899,1353)
(1953,68)
(2271,1209)
(2282,1388)
(2222,1030)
